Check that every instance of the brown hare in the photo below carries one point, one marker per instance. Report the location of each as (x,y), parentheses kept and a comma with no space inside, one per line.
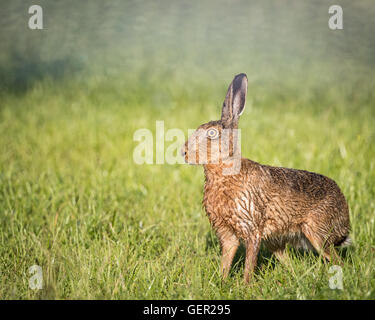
(256,202)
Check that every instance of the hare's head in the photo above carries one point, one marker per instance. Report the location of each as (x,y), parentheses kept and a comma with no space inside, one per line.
(217,141)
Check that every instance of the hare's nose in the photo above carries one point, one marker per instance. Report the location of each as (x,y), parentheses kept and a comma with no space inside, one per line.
(183,152)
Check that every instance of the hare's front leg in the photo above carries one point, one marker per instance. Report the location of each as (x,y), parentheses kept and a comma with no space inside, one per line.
(252,249)
(229,244)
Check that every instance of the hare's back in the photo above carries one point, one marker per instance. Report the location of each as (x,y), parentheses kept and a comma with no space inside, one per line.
(310,196)
(301,183)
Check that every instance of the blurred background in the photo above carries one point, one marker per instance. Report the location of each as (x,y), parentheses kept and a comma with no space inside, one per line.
(178,41)
(72,95)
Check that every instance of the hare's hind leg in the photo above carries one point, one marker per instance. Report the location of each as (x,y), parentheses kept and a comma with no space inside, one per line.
(229,245)
(321,245)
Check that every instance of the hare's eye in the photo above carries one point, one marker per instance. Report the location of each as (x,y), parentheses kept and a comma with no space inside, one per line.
(212,133)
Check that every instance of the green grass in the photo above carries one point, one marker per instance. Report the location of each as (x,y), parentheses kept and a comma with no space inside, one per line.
(73,201)
(100,226)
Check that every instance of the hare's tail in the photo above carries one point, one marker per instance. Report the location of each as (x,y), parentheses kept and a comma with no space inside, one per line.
(345,242)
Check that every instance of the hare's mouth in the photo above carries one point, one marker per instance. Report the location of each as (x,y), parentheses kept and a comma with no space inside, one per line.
(190,162)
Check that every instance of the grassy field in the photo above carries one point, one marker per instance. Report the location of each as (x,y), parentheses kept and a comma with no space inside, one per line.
(73,201)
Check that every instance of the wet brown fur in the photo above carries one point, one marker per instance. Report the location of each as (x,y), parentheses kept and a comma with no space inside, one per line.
(276,206)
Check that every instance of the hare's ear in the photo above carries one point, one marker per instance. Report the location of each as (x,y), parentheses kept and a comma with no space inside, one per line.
(234,103)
